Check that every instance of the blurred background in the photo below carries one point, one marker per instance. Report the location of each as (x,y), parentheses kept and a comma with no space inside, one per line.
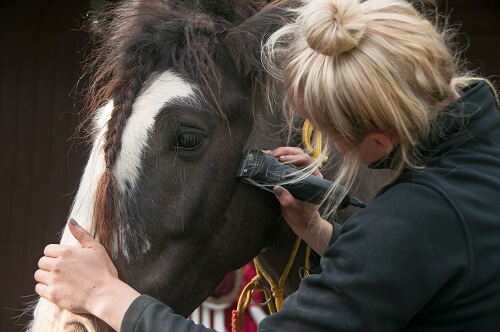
(42,47)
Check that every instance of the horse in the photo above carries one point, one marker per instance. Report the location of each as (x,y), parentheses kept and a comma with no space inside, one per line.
(178,92)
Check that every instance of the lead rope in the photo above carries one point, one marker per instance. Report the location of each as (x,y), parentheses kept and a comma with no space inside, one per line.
(315,150)
(277,291)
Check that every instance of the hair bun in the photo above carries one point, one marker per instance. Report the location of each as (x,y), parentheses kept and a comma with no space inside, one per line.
(332,27)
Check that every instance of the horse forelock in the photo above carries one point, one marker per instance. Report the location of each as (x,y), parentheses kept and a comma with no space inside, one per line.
(137,38)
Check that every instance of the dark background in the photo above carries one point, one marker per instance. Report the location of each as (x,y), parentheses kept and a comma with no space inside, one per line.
(41,50)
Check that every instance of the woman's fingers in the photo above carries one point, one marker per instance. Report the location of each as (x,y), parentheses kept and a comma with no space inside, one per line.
(284,197)
(53,250)
(42,276)
(286,150)
(317,173)
(81,234)
(46,263)
(49,292)
(292,155)
(295,156)
(41,289)
(299,215)
(302,159)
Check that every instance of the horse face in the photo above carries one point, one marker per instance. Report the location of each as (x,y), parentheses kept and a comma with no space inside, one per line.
(188,220)
(191,219)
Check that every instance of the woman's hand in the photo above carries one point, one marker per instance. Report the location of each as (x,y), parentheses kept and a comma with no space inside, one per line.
(83,280)
(303,217)
(294,156)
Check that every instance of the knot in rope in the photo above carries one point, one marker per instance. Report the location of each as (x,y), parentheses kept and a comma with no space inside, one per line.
(277,291)
(256,282)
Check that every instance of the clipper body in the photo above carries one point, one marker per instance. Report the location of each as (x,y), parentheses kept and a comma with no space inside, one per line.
(266,171)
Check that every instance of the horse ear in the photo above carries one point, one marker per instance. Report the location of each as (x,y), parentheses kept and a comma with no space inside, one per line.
(246,39)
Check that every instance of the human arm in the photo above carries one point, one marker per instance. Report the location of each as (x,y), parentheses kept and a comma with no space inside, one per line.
(404,252)
(305,220)
(85,281)
(302,217)
(148,314)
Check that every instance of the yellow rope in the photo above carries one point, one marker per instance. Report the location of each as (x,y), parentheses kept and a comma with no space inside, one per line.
(317,146)
(246,294)
(255,285)
(277,290)
(307,132)
(244,301)
(307,265)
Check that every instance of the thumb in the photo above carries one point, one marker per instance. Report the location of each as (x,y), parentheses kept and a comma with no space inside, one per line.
(285,198)
(81,234)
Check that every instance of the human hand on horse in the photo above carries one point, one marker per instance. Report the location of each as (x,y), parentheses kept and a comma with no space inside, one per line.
(303,217)
(83,280)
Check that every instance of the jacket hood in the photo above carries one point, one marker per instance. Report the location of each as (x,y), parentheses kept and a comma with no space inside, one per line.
(471,116)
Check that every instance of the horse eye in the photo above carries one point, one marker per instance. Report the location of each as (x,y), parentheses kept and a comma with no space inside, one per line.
(189,140)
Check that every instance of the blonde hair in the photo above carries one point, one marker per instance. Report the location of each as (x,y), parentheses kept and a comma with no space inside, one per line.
(353,68)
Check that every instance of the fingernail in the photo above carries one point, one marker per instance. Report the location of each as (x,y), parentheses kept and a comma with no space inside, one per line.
(284,157)
(272,152)
(278,191)
(73,222)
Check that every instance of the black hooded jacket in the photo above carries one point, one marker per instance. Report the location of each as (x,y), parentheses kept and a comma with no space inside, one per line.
(423,256)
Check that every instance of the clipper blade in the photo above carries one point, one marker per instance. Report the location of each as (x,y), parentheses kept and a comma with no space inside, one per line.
(251,164)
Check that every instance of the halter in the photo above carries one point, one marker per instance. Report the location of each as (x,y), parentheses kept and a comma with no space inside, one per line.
(277,291)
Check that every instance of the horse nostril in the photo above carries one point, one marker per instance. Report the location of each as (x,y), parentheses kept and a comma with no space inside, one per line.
(79,327)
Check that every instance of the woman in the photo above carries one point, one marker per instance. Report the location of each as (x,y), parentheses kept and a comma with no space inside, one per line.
(377,78)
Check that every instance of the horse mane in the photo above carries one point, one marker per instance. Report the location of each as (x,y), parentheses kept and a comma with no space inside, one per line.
(138,38)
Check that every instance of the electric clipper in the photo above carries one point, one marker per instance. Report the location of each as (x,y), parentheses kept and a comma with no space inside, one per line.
(265,171)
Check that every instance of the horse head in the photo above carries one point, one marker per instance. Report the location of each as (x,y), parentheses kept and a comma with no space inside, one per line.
(179,95)
(179,92)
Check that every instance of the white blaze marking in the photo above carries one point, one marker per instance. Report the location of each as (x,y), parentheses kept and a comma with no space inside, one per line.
(127,168)
(140,123)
